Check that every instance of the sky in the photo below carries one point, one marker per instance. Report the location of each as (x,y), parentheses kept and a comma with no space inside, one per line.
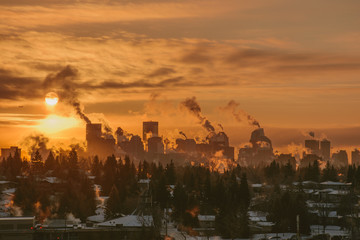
(292,65)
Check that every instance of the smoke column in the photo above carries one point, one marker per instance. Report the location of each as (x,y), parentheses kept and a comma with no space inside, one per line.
(182,133)
(63,83)
(35,142)
(194,108)
(240,114)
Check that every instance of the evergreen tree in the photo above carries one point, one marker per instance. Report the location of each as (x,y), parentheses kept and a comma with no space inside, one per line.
(110,174)
(244,192)
(170,173)
(113,205)
(329,173)
(50,163)
(288,173)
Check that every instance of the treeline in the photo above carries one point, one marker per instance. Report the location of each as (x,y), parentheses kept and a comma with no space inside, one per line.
(71,192)
(186,191)
(276,173)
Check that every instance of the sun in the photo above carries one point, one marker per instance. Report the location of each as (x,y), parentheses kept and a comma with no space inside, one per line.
(51,99)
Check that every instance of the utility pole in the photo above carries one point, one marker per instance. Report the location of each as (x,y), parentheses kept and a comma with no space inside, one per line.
(298,226)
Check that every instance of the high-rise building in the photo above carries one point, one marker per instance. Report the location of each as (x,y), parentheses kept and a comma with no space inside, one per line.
(93,131)
(313,146)
(340,159)
(96,143)
(355,157)
(155,145)
(150,129)
(325,149)
(6,152)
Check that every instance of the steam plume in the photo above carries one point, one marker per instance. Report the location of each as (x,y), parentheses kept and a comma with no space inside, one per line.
(312,134)
(240,114)
(35,142)
(194,108)
(63,83)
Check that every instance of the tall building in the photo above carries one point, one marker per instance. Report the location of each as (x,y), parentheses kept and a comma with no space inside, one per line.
(260,153)
(155,145)
(150,129)
(325,149)
(340,159)
(6,152)
(355,157)
(186,145)
(313,146)
(258,139)
(96,143)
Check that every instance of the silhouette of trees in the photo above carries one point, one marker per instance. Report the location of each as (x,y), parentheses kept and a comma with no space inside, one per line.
(329,173)
(113,204)
(284,207)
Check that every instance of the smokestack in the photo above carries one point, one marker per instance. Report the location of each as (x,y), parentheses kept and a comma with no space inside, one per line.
(193,107)
(63,84)
(119,131)
(240,114)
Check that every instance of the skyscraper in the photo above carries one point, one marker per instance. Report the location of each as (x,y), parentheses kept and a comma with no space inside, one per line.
(312,145)
(150,129)
(325,149)
(355,157)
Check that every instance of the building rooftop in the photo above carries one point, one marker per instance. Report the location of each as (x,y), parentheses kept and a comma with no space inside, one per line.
(129,221)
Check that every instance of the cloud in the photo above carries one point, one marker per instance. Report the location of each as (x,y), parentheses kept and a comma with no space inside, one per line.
(164,71)
(199,55)
(13,87)
(311,68)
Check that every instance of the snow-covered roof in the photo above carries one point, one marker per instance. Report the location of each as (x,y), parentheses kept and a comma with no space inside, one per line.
(144,181)
(330,229)
(305,183)
(256,185)
(4,182)
(265,224)
(257,214)
(52,180)
(257,219)
(16,218)
(326,190)
(96,218)
(206,218)
(312,204)
(338,192)
(129,221)
(308,191)
(335,183)
(10,190)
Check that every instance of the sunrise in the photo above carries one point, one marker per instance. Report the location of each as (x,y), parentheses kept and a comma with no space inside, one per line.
(178,119)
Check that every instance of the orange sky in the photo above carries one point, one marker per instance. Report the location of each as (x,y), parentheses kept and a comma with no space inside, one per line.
(293,65)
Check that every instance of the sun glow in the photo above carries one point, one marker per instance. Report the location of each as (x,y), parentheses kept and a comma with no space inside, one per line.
(54,123)
(51,99)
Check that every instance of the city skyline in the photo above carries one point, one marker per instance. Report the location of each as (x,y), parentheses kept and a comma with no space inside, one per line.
(294,71)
